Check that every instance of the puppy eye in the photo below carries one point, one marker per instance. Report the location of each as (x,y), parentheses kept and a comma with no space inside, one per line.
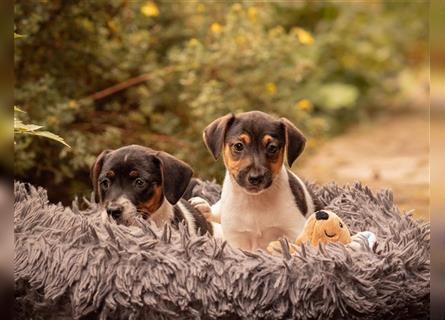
(105,184)
(341,225)
(238,147)
(139,183)
(272,148)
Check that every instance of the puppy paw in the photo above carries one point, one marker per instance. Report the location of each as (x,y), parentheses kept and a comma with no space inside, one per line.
(202,206)
(275,248)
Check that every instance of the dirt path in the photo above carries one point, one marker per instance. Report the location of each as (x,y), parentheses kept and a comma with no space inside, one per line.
(389,152)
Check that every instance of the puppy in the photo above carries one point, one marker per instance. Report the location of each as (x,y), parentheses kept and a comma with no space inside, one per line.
(261,199)
(136,180)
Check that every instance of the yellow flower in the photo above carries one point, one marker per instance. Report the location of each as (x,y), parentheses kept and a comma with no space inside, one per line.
(52,120)
(271,88)
(200,8)
(216,27)
(150,9)
(73,104)
(240,40)
(305,37)
(304,104)
(237,7)
(193,42)
(276,31)
(252,12)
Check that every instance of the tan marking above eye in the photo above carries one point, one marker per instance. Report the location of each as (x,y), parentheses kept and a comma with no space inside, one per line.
(267,139)
(245,138)
(134,173)
(110,174)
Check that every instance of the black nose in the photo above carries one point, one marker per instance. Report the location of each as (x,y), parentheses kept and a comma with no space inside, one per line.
(321,215)
(115,211)
(255,179)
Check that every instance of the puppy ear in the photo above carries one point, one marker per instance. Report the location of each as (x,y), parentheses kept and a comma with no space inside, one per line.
(214,134)
(176,176)
(295,141)
(95,171)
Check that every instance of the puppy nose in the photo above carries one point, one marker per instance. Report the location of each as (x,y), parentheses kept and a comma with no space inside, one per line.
(321,215)
(115,211)
(255,179)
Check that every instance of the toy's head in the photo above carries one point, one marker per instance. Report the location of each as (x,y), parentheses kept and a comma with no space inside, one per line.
(324,226)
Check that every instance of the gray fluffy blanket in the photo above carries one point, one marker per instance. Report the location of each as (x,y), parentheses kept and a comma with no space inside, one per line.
(70,265)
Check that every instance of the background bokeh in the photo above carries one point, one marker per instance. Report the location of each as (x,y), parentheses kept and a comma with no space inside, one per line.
(102,74)
(437,52)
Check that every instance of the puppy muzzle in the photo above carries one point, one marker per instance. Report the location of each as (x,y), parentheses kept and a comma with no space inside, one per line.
(121,211)
(255,180)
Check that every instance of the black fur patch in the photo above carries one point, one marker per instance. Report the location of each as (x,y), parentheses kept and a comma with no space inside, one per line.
(178,217)
(201,223)
(298,192)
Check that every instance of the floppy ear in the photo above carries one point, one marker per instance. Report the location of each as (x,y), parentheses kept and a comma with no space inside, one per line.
(95,171)
(295,141)
(214,134)
(176,176)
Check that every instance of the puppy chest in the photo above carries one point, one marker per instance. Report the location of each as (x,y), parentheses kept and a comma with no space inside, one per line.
(261,219)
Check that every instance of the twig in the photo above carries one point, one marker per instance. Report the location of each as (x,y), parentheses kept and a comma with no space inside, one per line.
(123,85)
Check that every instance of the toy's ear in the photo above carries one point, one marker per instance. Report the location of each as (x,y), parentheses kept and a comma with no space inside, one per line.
(176,176)
(214,134)
(95,171)
(308,231)
(295,141)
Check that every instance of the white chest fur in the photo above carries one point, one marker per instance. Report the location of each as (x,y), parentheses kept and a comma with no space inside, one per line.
(251,221)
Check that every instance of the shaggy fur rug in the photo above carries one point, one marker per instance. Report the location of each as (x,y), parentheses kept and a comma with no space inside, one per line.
(68,265)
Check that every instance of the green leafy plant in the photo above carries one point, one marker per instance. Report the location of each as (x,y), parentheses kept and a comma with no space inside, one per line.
(34,130)
(106,74)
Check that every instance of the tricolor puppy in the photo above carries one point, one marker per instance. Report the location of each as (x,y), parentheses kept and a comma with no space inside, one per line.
(136,180)
(261,199)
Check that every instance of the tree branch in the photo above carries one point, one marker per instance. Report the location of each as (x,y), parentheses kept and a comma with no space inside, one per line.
(123,85)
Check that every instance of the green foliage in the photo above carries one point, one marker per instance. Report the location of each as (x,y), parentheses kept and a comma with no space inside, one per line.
(34,130)
(320,64)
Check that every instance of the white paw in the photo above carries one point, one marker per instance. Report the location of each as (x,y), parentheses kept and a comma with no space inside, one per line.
(202,205)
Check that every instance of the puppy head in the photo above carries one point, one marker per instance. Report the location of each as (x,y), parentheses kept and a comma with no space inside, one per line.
(137,180)
(325,226)
(254,145)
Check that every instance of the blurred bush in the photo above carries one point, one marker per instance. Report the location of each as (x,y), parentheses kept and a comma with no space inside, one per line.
(171,68)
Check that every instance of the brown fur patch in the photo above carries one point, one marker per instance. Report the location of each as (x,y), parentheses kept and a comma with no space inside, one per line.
(110,174)
(154,202)
(134,173)
(276,164)
(245,138)
(233,165)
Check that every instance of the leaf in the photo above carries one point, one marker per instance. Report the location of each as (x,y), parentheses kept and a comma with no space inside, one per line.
(19,125)
(32,129)
(17,109)
(51,136)
(18,36)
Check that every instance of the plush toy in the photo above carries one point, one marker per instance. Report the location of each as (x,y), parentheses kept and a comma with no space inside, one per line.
(325,226)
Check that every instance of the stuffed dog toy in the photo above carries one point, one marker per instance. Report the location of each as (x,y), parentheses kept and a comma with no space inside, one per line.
(324,226)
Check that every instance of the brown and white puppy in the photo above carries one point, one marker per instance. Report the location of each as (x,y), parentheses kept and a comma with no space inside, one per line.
(261,199)
(136,180)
